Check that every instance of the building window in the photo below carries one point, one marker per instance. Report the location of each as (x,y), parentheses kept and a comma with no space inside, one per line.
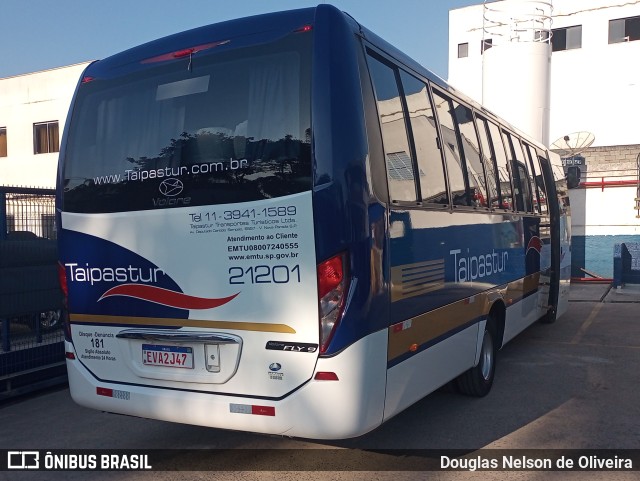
(463,50)
(624,29)
(45,137)
(566,38)
(3,141)
(485,44)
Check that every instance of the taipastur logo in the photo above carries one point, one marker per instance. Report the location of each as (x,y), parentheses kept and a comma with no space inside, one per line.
(138,283)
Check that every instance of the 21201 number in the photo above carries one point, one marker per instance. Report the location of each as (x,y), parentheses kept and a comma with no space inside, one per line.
(264,274)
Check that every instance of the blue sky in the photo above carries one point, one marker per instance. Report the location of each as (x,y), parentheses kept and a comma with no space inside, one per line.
(43,34)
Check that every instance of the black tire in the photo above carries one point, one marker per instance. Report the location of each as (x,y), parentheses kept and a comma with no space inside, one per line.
(549,317)
(49,320)
(478,380)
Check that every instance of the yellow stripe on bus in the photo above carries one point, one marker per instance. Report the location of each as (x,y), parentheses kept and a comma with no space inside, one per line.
(161,321)
(427,327)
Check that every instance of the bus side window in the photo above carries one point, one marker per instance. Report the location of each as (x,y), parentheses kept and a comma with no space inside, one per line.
(542,157)
(469,138)
(433,188)
(452,154)
(523,178)
(520,174)
(400,169)
(503,170)
(488,160)
(561,185)
(537,182)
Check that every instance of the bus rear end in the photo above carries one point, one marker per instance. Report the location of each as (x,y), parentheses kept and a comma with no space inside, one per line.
(187,239)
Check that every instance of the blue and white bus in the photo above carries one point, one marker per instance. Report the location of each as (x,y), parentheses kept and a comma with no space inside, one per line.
(282,224)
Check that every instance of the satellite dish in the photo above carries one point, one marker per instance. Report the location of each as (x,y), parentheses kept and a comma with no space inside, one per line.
(572,144)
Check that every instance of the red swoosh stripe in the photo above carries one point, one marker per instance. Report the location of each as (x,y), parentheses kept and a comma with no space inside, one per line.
(165,297)
(535,243)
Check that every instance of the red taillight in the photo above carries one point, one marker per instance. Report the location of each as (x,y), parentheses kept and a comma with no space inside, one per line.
(86,80)
(306,28)
(332,287)
(330,275)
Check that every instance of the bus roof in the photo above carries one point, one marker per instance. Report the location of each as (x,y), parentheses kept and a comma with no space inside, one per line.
(254,30)
(243,31)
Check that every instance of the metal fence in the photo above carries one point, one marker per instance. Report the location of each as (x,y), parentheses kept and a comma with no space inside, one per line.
(31,336)
(27,212)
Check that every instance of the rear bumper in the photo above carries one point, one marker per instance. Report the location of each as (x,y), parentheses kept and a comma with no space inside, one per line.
(349,407)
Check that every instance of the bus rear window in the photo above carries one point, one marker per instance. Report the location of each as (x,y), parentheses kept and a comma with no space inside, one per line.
(232,127)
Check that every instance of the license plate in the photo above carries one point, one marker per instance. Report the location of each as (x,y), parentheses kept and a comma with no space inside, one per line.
(167,356)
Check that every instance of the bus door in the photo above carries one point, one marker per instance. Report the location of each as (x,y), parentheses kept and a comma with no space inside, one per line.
(550,255)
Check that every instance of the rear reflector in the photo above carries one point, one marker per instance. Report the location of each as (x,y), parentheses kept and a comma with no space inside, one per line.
(114,393)
(252,409)
(326,376)
(103,391)
(263,410)
(69,355)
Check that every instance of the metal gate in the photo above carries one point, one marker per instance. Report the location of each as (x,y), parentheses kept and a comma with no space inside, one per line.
(31,336)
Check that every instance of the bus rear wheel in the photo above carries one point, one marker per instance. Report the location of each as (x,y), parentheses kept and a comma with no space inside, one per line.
(549,317)
(478,380)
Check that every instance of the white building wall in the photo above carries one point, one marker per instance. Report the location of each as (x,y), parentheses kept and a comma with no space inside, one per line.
(596,87)
(25,100)
(465,74)
(593,88)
